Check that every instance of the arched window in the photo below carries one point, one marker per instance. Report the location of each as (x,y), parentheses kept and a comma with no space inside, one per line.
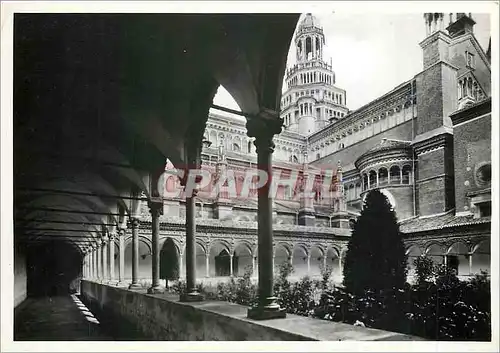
(236,147)
(395,175)
(318,155)
(351,195)
(308,47)
(406,174)
(287,192)
(249,146)
(365,182)
(382,176)
(341,145)
(358,190)
(372,176)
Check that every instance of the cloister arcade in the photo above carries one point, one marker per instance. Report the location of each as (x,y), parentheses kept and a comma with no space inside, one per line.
(220,260)
(465,259)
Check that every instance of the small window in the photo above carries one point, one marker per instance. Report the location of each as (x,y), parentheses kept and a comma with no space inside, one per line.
(236,147)
(318,156)
(469,59)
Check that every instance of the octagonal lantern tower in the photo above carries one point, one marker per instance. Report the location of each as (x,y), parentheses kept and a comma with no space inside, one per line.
(311,100)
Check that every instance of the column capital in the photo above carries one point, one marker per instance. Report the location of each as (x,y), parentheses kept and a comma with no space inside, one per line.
(263,127)
(121,231)
(134,221)
(155,207)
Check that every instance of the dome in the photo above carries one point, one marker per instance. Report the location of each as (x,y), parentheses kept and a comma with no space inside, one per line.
(386,149)
(310,21)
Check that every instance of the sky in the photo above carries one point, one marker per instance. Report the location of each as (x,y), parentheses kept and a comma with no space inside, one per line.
(371,53)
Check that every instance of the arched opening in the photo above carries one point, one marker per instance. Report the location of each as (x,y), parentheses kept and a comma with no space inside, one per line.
(481,257)
(372,179)
(236,147)
(318,47)
(316,261)
(365,182)
(308,47)
(383,176)
(52,269)
(412,253)
(249,147)
(144,270)
(406,174)
(395,175)
(242,260)
(351,194)
(457,258)
(222,264)
(201,261)
(281,256)
(358,190)
(299,261)
(169,261)
(219,260)
(436,253)
(333,263)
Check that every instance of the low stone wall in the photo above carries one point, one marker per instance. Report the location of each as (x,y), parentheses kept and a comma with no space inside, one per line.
(136,315)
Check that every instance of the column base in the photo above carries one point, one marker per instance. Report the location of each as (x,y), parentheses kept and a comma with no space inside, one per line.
(121,284)
(156,290)
(191,297)
(264,313)
(135,286)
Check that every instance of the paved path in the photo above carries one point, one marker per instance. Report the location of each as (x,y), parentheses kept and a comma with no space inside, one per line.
(63,318)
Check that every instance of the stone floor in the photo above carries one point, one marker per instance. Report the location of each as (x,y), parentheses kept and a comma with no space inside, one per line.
(63,318)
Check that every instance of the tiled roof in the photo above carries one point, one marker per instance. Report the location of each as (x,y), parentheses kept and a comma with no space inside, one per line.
(448,220)
(387,144)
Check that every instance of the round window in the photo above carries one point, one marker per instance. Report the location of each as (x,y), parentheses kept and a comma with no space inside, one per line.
(483,174)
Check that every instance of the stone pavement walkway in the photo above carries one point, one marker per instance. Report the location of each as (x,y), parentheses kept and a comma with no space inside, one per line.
(63,318)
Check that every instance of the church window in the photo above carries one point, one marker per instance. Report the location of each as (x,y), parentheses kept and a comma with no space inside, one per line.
(382,176)
(406,174)
(249,146)
(395,175)
(469,57)
(236,147)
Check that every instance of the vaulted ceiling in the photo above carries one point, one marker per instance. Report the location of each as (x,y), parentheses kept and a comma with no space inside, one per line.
(101,100)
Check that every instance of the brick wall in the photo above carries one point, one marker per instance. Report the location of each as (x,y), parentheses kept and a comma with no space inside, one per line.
(436,97)
(472,146)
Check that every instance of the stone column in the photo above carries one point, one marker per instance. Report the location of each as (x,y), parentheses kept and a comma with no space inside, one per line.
(181,265)
(94,261)
(121,256)
(99,260)
(253,265)
(470,264)
(309,264)
(313,40)
(135,254)
(104,250)
(91,263)
(231,265)
(191,291)
(111,252)
(263,128)
(156,209)
(207,265)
